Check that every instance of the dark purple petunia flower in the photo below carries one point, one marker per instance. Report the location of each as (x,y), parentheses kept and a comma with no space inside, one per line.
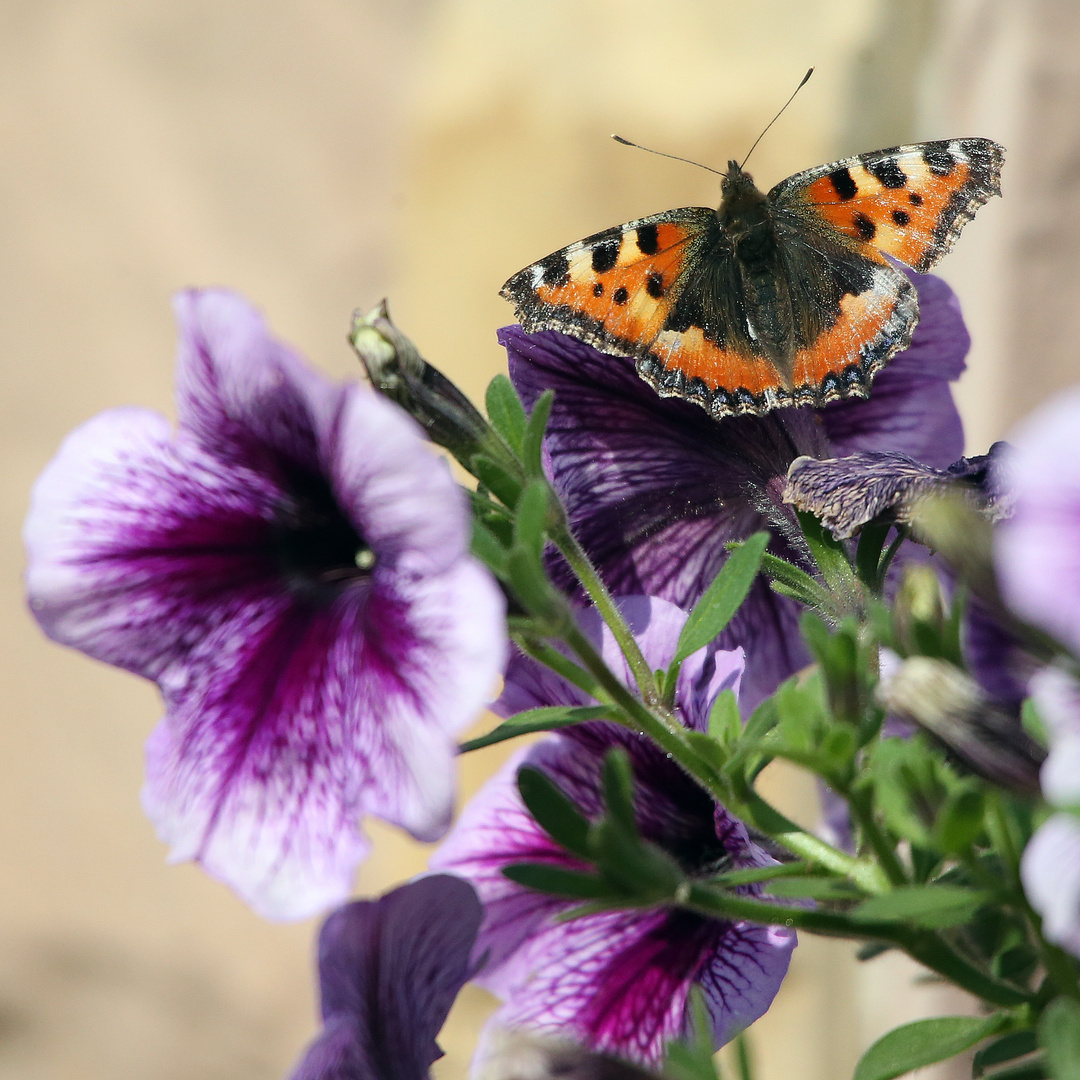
(655,487)
(389,971)
(617,981)
(291,567)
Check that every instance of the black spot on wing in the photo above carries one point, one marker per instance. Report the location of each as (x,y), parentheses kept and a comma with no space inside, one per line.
(605,255)
(556,270)
(901,217)
(844,184)
(914,198)
(938,158)
(885,171)
(864,227)
(654,285)
(648,240)
(620,295)
(598,289)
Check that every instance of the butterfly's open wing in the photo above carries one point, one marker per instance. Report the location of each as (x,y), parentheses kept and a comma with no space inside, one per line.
(615,289)
(657,290)
(909,202)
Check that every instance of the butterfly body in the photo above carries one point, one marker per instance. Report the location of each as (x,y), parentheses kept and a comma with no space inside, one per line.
(776,299)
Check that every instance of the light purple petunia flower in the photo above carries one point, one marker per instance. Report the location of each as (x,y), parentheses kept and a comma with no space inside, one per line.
(655,487)
(389,971)
(291,567)
(1037,551)
(618,981)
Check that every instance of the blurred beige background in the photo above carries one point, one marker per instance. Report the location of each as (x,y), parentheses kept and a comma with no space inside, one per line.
(318,156)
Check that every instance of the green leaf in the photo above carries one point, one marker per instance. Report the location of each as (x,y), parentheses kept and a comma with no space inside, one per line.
(830,554)
(549,718)
(725,723)
(796,583)
(499,481)
(531,585)
(505,411)
(488,549)
(961,822)
(559,881)
(530,518)
(1007,1048)
(554,811)
(923,1043)
(533,439)
(723,597)
(812,888)
(618,786)
(1059,1036)
(1033,722)
(930,906)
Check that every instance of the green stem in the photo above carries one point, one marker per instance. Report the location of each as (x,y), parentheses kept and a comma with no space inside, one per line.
(921,945)
(561,665)
(883,849)
(609,611)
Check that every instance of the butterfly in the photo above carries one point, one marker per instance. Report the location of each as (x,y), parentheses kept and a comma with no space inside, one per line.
(785,298)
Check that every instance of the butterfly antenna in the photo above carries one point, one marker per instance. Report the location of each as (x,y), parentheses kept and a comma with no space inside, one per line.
(805,80)
(660,153)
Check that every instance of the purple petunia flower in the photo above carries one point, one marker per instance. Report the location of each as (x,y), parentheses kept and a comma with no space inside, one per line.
(389,971)
(655,487)
(291,567)
(617,981)
(1037,551)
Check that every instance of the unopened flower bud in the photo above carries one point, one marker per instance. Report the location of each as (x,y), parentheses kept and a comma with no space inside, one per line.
(950,705)
(397,369)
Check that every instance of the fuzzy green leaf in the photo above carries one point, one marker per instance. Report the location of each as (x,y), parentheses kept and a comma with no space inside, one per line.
(922,1043)
(549,718)
(723,597)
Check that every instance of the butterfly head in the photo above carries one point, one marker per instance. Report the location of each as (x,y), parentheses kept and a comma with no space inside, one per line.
(738,192)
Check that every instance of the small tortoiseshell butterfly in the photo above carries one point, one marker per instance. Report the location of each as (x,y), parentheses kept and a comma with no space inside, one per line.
(771,300)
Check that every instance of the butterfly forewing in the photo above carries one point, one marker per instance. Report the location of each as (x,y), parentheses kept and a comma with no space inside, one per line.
(615,289)
(909,202)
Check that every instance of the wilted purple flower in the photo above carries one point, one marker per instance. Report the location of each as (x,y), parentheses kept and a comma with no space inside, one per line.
(617,981)
(1037,551)
(655,487)
(291,567)
(389,970)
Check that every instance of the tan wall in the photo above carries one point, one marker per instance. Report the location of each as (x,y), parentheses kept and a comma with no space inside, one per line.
(318,156)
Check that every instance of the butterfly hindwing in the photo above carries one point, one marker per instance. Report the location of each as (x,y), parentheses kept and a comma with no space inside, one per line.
(909,202)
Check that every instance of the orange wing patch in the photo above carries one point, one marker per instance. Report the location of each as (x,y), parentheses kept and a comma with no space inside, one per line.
(613,290)
(911,202)
(872,327)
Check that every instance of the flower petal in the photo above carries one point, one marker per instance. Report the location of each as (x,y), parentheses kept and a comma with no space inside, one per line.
(389,971)
(1050,871)
(1037,551)
(246,397)
(284,727)
(619,981)
(139,545)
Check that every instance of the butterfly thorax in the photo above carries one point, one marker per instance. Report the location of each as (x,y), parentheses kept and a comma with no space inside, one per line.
(749,235)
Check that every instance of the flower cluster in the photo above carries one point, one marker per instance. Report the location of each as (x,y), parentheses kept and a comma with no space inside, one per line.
(674,602)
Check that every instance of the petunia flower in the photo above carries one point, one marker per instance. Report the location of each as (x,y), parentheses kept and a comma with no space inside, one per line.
(617,982)
(655,487)
(1050,866)
(291,567)
(389,971)
(1037,551)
